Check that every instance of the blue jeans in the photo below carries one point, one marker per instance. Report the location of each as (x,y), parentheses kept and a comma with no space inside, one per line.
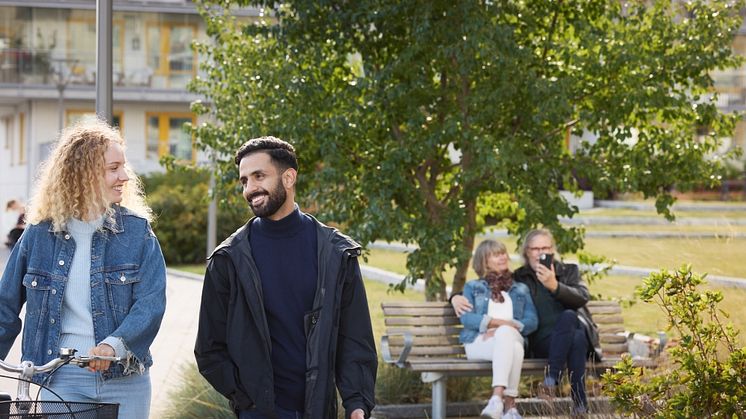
(567,345)
(75,384)
(279,412)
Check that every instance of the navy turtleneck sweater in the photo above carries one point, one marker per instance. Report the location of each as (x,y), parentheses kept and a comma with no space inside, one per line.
(285,252)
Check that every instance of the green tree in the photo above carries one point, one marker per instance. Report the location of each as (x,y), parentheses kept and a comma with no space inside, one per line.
(416,120)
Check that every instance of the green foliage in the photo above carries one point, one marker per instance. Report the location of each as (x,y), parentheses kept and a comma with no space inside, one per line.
(431,117)
(708,371)
(180,199)
(194,398)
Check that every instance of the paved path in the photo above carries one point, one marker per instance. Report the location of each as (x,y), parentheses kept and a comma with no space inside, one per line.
(172,348)
(679,206)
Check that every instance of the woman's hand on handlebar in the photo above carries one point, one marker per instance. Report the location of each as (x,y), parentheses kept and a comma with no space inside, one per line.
(100,364)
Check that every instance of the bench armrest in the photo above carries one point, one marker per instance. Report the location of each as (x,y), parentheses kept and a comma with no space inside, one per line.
(386,350)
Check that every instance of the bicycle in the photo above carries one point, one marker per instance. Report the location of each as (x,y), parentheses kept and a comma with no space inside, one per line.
(26,408)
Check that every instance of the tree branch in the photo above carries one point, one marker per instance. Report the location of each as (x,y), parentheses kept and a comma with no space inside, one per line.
(552,28)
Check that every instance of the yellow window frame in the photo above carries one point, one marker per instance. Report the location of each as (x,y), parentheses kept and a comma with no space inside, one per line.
(164,119)
(165,29)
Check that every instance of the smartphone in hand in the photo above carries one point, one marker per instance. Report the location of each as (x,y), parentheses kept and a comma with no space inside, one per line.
(546,259)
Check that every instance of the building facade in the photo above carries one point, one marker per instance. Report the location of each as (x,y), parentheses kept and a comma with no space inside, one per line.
(48,75)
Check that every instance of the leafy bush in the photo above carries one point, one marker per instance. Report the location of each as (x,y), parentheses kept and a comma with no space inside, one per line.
(706,378)
(180,199)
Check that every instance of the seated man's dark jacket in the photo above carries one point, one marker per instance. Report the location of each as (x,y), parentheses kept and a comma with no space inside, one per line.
(572,293)
(233,343)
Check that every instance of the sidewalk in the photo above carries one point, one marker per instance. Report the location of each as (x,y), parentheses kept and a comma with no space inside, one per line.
(172,348)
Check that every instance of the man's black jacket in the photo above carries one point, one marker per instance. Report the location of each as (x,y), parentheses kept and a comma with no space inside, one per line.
(572,293)
(233,342)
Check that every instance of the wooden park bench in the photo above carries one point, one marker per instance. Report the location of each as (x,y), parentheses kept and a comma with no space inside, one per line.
(423,337)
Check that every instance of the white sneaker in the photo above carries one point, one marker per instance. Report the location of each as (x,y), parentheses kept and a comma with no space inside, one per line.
(512,413)
(494,408)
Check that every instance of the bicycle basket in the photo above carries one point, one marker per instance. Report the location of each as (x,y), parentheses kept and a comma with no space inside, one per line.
(57,410)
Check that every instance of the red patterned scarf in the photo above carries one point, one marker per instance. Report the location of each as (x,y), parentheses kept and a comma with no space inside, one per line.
(499,282)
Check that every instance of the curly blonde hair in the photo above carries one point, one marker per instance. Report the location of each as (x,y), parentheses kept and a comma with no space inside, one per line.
(70,183)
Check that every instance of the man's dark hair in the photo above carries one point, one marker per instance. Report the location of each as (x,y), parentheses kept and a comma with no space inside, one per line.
(281,152)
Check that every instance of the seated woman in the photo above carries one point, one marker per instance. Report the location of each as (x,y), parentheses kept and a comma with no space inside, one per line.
(501,314)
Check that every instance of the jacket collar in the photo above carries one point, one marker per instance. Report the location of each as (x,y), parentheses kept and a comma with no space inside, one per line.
(112,223)
(326,236)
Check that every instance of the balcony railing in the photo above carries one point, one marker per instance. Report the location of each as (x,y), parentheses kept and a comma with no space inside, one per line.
(40,66)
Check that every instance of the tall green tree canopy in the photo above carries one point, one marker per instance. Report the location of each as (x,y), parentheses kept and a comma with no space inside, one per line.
(416,120)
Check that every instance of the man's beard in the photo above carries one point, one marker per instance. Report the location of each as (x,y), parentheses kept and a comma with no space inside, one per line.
(275,199)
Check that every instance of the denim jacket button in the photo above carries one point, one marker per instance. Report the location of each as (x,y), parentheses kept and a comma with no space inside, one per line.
(61,262)
(53,291)
(49,352)
(122,278)
(51,321)
(33,283)
(67,237)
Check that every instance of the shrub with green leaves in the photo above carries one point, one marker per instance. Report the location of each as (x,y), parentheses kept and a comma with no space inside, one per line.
(708,370)
(180,198)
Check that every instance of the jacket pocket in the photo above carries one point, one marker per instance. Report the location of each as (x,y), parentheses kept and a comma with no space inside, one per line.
(37,293)
(35,329)
(481,301)
(310,320)
(119,287)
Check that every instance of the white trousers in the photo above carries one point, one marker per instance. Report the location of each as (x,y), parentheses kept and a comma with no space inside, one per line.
(505,350)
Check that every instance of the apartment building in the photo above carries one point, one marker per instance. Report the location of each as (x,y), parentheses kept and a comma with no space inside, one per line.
(48,74)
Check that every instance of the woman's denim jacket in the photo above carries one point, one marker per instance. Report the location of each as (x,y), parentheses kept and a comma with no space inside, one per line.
(128,290)
(476,321)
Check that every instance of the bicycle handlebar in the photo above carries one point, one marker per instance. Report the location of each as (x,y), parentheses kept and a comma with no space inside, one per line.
(64,358)
(27,369)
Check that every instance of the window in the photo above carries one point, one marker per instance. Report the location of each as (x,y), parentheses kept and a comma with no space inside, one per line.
(81,50)
(170,53)
(165,135)
(74,115)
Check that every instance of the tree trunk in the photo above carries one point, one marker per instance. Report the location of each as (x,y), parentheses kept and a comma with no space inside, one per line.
(467,245)
(435,286)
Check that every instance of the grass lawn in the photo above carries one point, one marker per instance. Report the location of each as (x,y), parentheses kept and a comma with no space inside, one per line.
(721,230)
(714,256)
(721,256)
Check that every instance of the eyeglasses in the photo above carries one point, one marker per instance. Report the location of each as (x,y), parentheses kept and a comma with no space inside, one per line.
(546,249)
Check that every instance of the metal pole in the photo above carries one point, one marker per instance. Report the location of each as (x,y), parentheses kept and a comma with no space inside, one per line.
(212,212)
(104,55)
(60,106)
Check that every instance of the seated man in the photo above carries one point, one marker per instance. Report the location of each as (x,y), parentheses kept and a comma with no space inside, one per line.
(566,334)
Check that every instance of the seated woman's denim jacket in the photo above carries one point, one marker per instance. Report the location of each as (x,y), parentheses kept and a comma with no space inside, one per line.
(128,290)
(476,321)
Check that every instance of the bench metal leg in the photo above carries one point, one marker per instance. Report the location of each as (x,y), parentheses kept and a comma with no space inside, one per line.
(439,393)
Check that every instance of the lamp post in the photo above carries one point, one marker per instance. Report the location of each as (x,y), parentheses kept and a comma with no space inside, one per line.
(212,209)
(104,55)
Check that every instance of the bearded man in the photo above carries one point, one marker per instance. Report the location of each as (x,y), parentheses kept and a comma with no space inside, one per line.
(284,315)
